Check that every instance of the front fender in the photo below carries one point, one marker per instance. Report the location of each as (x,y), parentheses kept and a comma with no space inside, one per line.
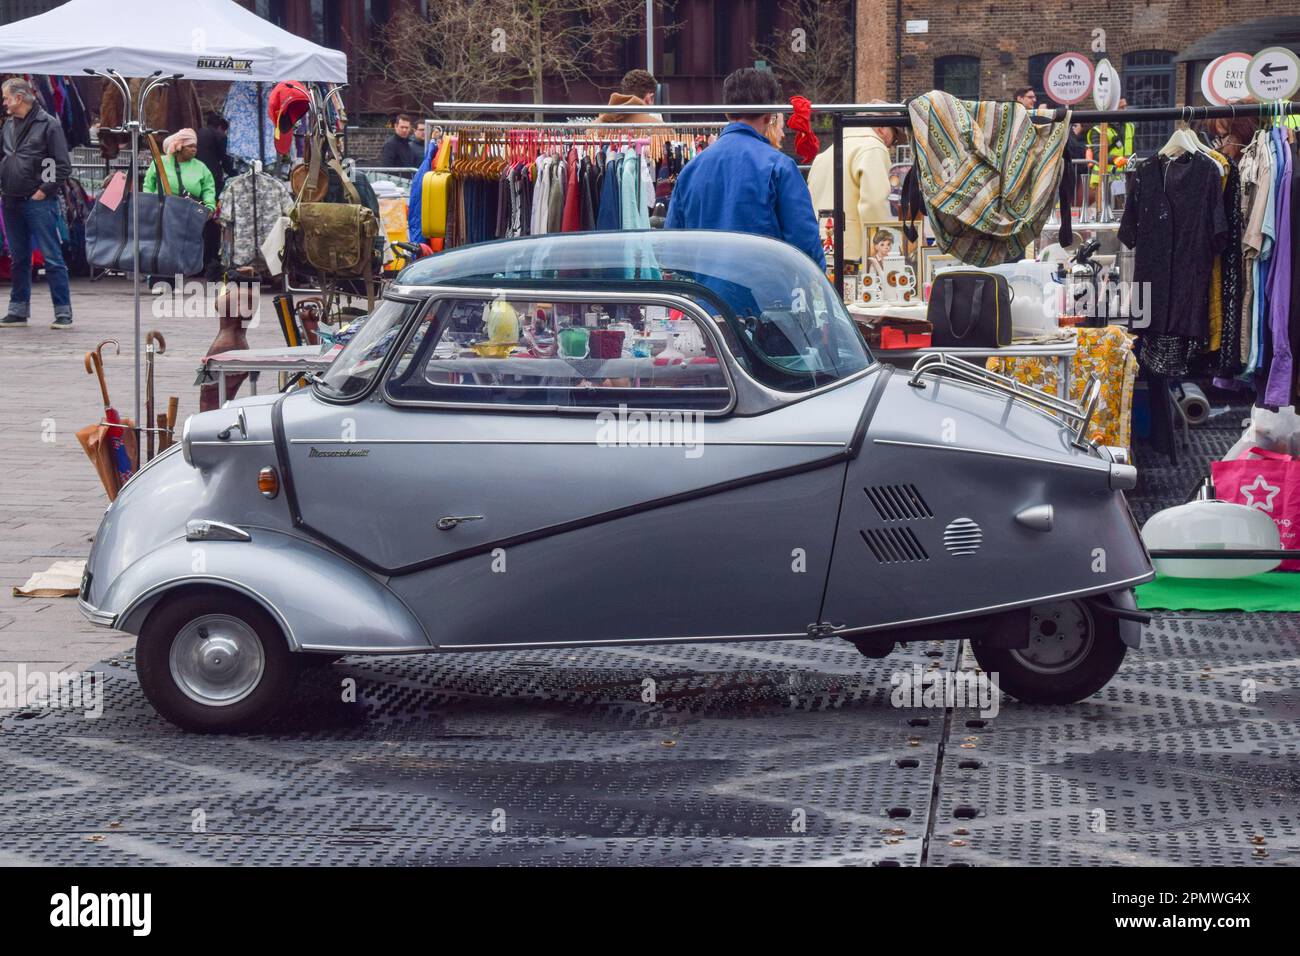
(322,602)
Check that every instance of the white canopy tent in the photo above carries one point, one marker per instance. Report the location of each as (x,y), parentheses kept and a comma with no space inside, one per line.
(196,39)
(202,39)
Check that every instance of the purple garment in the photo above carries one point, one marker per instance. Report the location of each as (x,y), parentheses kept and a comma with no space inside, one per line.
(1280,377)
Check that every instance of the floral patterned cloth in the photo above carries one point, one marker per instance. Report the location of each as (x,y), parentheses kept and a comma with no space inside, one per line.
(1107,352)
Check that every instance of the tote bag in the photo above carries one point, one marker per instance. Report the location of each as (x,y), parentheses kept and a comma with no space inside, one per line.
(1270,482)
(171,231)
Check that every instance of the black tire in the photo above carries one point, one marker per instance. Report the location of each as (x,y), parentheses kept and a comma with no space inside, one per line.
(172,619)
(1038,674)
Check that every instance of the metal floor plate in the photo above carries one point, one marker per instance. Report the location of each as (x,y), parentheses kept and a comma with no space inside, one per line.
(759,754)
(784,753)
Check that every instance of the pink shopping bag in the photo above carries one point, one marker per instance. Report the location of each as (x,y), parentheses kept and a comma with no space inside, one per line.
(1269,481)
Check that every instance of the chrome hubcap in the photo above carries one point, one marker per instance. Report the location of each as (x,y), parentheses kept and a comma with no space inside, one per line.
(217,660)
(1060,636)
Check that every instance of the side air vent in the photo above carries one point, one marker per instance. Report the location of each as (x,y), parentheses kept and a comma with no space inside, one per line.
(898,502)
(894,545)
(962,536)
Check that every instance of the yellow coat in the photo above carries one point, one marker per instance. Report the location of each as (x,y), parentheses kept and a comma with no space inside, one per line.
(866,185)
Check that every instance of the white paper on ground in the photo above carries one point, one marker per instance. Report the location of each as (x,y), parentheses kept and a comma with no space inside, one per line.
(61,579)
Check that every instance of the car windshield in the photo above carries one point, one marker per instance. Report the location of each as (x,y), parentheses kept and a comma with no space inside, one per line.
(368,340)
(787,327)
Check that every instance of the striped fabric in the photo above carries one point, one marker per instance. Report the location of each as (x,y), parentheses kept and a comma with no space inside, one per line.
(988,175)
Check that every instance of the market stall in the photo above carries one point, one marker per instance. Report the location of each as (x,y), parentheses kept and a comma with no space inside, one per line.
(195,39)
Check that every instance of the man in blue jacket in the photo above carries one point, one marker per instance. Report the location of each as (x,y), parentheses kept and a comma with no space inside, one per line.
(741,183)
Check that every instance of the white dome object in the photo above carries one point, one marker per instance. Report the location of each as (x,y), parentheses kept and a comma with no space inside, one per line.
(1212,526)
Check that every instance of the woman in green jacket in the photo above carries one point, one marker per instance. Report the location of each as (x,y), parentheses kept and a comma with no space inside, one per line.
(181,148)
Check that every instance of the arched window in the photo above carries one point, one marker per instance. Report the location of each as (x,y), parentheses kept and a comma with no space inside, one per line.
(958,75)
(1037,67)
(1149,82)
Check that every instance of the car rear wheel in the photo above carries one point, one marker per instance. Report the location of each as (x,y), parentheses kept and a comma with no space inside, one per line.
(1072,653)
(214,661)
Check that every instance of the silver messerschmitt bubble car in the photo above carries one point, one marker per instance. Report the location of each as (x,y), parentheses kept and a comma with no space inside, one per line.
(615,439)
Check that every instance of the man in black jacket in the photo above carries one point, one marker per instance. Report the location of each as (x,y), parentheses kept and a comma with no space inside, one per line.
(33,165)
(399,152)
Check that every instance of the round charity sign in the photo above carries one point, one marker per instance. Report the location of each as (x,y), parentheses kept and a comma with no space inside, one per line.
(1224,79)
(1274,74)
(1068,78)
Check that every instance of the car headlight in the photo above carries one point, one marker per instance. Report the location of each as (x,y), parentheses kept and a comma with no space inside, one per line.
(185,442)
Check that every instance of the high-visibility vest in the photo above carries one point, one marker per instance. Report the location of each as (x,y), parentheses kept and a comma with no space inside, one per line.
(1115,148)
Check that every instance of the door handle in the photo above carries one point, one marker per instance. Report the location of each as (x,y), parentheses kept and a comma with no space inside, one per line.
(450,521)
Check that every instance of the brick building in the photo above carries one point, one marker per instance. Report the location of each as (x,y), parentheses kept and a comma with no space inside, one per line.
(989,48)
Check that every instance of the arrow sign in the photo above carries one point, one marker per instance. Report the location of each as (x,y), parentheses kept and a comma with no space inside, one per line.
(1106,88)
(1068,78)
(1274,74)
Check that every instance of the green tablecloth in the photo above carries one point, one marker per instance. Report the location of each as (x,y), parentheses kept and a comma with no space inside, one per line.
(1275,591)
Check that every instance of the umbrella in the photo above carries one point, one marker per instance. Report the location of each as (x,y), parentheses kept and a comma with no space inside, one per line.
(120,456)
(149,351)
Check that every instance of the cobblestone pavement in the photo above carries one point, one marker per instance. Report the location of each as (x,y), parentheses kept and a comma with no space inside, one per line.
(50,497)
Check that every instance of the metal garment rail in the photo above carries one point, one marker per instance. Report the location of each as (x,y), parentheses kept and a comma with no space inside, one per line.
(559,124)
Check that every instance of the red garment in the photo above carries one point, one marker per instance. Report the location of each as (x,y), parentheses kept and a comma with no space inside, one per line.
(287,104)
(571,221)
(806,144)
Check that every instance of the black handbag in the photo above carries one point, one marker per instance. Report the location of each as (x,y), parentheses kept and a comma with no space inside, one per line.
(970,309)
(171,231)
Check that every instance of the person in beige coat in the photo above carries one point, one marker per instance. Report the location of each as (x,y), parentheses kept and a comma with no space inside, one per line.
(866,183)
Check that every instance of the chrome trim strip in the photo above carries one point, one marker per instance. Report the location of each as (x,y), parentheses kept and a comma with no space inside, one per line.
(773,394)
(438,293)
(205,529)
(614,642)
(94,615)
(535,441)
(352,649)
(973,612)
(233,444)
(1103,471)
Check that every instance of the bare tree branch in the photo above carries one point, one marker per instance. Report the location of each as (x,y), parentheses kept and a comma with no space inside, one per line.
(812,58)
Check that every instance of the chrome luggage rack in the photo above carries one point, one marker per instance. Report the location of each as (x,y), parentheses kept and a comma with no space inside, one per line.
(1079,415)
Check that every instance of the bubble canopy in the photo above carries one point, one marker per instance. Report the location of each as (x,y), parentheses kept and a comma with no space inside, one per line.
(779,315)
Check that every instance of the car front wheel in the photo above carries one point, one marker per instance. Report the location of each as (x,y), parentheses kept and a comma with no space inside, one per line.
(1072,653)
(214,661)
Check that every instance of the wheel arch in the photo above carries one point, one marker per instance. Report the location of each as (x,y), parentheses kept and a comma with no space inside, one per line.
(319,600)
(133,617)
